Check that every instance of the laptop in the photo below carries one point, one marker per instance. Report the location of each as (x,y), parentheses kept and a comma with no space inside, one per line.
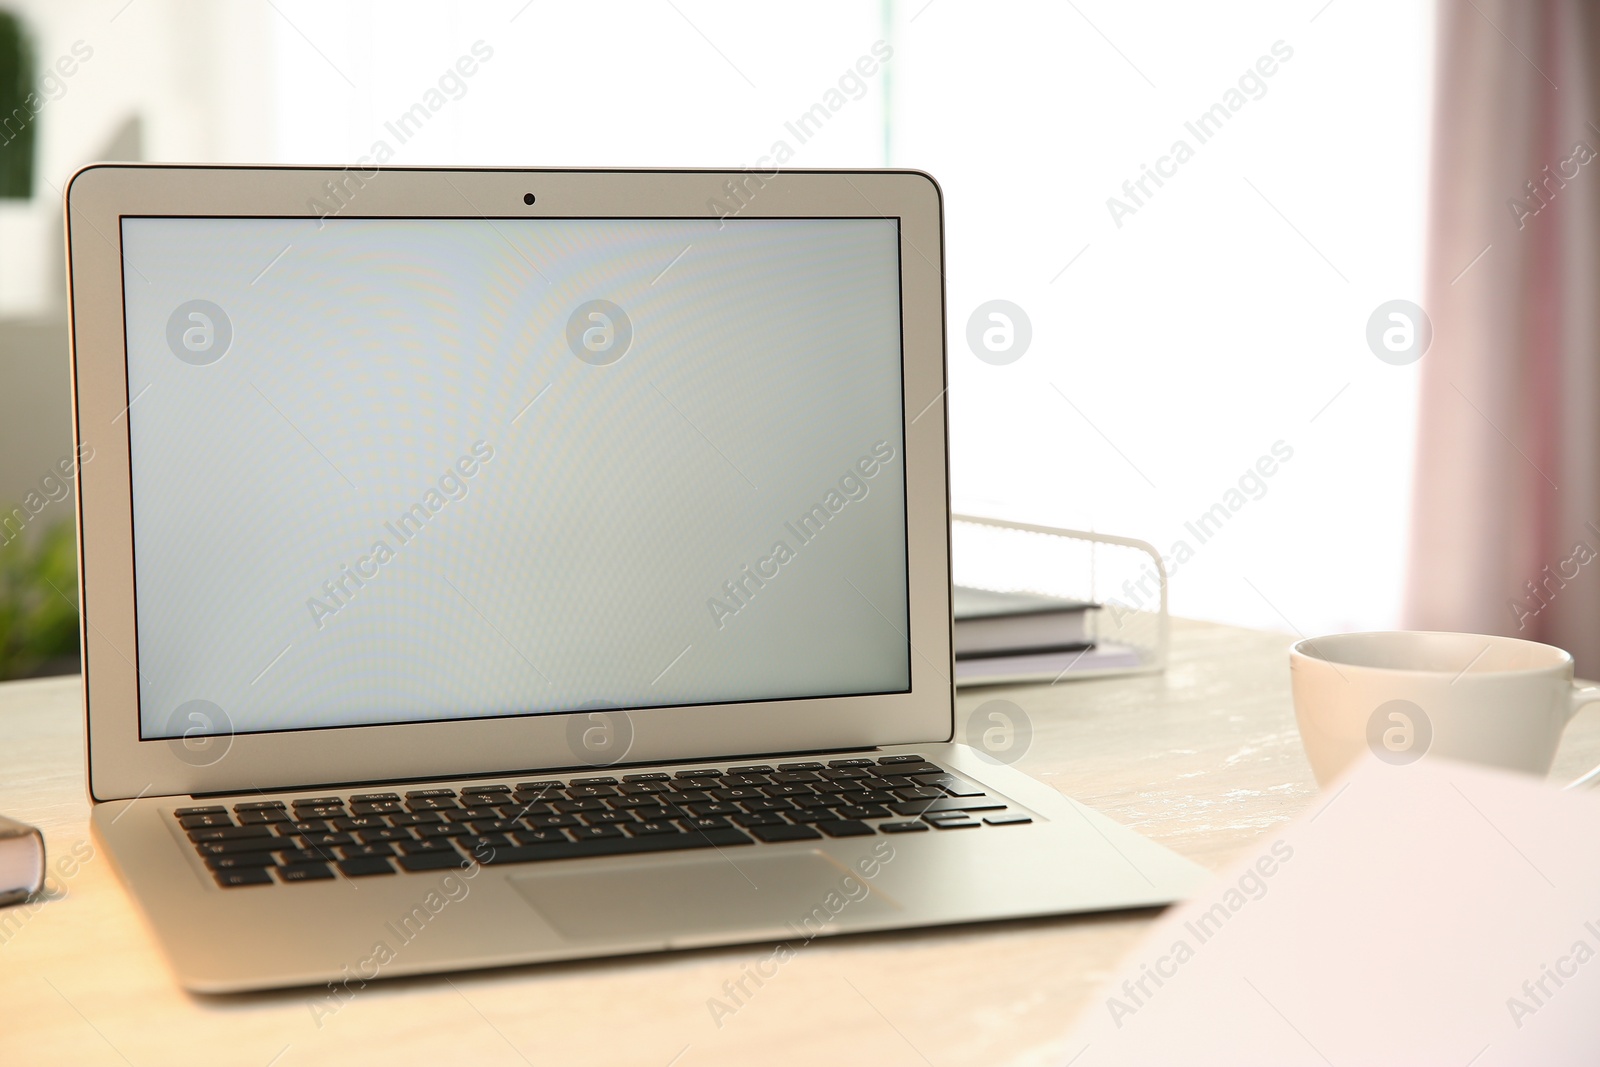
(489,567)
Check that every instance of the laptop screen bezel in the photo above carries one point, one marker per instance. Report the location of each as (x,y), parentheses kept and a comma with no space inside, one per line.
(121,765)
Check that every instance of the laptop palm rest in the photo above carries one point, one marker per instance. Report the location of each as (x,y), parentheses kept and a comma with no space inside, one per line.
(784,894)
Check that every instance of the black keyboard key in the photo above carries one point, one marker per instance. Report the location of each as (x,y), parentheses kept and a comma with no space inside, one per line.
(651,776)
(845,774)
(432,804)
(744,793)
(209,819)
(767,818)
(540,837)
(811,800)
(955,785)
(352,852)
(795,777)
(592,792)
(476,801)
(539,786)
(619,846)
(921,792)
(292,856)
(709,822)
(924,807)
(862,811)
(708,772)
(244,844)
(714,808)
(891,781)
(319,812)
(594,833)
(423,848)
(874,796)
(229,833)
(784,833)
(259,805)
(362,822)
(365,866)
(810,815)
(850,763)
(388,834)
(262,818)
(607,818)
(845,828)
(241,860)
(644,789)
(908,827)
(1007,818)
(651,829)
(522,811)
(957,824)
(793,789)
(907,758)
(630,803)
(550,822)
(602,780)
(479,842)
(754,768)
(485,790)
(420,794)
(372,798)
(472,814)
(757,806)
(421,818)
(740,781)
(809,766)
(432,861)
(332,838)
(657,812)
(376,807)
(305,872)
(307,826)
(242,876)
(211,809)
(569,807)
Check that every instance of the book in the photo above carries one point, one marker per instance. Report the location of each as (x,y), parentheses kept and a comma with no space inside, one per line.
(989,624)
(1049,667)
(21,861)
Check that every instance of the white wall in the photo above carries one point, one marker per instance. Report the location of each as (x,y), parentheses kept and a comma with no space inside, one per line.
(1220,318)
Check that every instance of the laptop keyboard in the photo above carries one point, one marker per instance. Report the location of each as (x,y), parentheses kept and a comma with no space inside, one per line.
(263,842)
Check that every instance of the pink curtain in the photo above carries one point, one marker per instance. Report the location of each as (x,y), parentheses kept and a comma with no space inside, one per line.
(1506,511)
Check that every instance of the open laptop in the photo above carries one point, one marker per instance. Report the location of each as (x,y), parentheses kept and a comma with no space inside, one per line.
(484,567)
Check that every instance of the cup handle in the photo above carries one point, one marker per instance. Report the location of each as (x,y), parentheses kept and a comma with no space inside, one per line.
(1580,697)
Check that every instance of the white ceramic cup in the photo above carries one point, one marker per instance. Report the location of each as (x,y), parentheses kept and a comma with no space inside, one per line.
(1406,695)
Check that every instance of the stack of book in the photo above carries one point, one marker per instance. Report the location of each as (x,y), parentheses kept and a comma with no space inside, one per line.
(1027,637)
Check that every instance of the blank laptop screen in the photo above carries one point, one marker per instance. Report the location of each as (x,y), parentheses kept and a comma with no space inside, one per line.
(400,470)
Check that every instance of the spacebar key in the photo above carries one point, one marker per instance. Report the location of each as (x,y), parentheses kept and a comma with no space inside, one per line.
(615,846)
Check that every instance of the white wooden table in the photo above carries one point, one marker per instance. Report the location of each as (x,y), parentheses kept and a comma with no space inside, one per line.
(1204,758)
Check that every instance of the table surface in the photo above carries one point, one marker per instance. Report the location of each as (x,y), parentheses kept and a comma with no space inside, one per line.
(1204,758)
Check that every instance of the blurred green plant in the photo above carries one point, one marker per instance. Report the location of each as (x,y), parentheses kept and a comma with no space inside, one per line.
(38,601)
(16,117)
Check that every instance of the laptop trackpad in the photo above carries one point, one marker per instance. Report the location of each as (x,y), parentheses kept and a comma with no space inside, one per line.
(664,901)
